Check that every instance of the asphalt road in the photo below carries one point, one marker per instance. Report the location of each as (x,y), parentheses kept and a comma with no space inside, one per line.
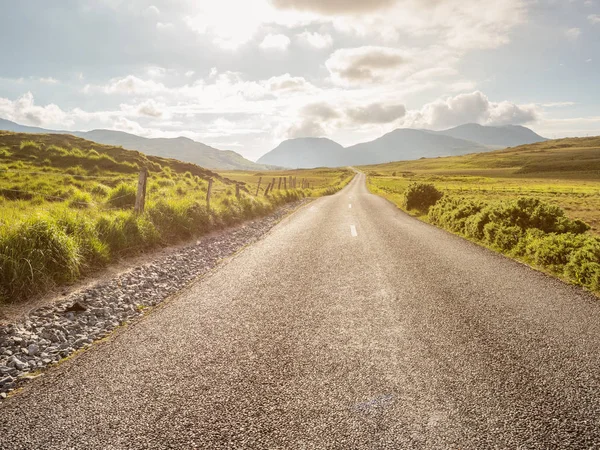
(345,327)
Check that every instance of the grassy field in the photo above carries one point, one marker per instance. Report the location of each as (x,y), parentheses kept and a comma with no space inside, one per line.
(538,203)
(66,206)
(322,181)
(563,172)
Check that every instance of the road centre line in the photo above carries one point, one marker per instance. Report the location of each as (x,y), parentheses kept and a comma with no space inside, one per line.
(353,231)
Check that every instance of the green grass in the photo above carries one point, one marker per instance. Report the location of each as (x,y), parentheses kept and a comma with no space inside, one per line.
(321,181)
(561,178)
(66,207)
(562,172)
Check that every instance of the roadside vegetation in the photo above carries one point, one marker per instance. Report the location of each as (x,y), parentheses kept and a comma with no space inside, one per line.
(66,207)
(538,203)
(322,181)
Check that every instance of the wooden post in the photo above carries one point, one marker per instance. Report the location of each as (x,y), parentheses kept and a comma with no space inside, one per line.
(237,190)
(273,184)
(285,183)
(279,185)
(267,189)
(290,182)
(258,187)
(208,193)
(140,199)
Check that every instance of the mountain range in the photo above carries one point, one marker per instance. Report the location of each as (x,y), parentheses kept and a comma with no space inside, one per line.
(180,148)
(398,145)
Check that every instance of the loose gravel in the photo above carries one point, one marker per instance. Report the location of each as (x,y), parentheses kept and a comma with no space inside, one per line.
(54,332)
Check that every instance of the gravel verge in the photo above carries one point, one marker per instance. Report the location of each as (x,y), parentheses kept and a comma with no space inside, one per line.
(51,333)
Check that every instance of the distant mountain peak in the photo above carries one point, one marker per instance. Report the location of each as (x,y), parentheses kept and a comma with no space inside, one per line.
(398,144)
(181,148)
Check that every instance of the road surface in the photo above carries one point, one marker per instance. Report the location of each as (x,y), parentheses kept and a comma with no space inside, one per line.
(350,325)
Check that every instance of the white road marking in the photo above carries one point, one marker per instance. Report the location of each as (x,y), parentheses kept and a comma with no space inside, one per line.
(349,205)
(353,231)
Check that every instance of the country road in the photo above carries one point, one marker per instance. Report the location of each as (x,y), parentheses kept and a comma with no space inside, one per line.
(350,325)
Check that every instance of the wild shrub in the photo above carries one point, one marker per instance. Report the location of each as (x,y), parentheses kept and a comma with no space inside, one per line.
(122,196)
(100,190)
(452,213)
(93,252)
(126,233)
(80,200)
(179,219)
(529,228)
(584,263)
(35,254)
(421,196)
(30,145)
(553,250)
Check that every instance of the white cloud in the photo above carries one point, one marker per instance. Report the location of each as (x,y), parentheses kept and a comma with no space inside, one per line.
(332,7)
(323,118)
(152,11)
(130,126)
(461,24)
(469,108)
(375,113)
(275,42)
(573,34)
(132,85)
(594,19)
(164,26)
(316,40)
(156,71)
(24,111)
(366,64)
(287,83)
(558,104)
(150,108)
(48,80)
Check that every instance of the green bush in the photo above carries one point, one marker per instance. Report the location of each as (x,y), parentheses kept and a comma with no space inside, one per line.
(100,190)
(584,263)
(179,219)
(421,196)
(93,252)
(80,200)
(125,233)
(36,254)
(122,196)
(526,227)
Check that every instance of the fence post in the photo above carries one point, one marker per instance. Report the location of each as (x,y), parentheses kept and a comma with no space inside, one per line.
(140,199)
(285,183)
(267,189)
(279,185)
(258,187)
(237,190)
(208,193)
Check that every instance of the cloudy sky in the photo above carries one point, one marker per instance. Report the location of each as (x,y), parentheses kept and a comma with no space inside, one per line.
(245,74)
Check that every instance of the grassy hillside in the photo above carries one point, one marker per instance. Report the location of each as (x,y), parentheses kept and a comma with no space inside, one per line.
(563,172)
(66,207)
(539,203)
